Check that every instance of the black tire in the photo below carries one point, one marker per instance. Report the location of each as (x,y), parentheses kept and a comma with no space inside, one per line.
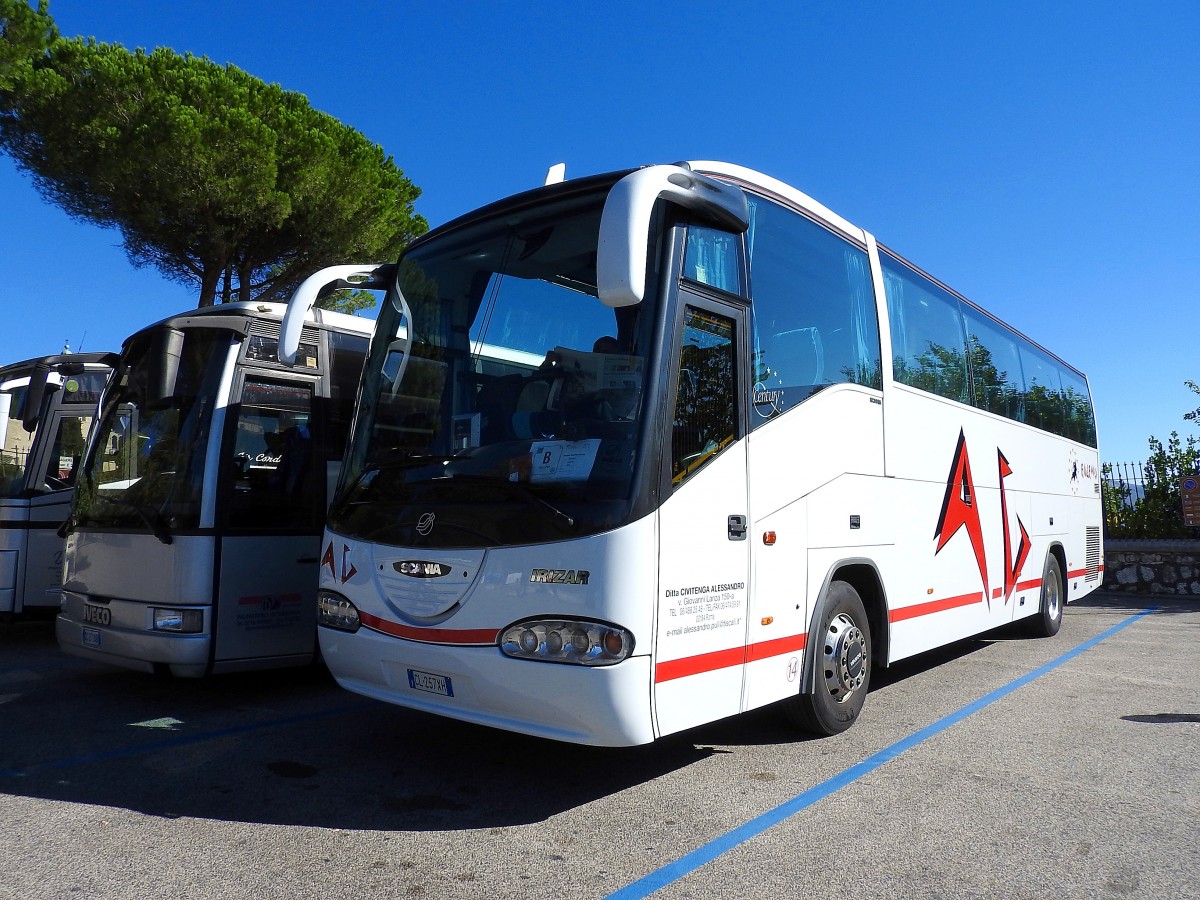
(841,660)
(1048,619)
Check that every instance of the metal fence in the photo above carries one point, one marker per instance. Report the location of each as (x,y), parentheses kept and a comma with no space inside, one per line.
(1143,500)
(1126,480)
(1123,485)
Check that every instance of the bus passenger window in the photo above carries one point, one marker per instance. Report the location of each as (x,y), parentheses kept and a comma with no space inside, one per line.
(813,309)
(705,412)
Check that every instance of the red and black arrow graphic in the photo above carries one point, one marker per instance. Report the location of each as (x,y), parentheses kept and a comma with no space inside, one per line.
(959,511)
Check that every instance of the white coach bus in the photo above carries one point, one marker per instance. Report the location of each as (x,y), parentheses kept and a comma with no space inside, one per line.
(46,410)
(736,453)
(195,534)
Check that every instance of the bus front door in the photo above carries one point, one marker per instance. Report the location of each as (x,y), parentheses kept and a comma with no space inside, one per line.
(273,495)
(704,558)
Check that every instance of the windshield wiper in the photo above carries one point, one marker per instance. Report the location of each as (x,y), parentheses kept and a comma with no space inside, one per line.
(405,459)
(561,517)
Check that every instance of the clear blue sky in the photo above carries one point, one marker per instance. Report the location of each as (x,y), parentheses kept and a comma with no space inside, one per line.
(1041,157)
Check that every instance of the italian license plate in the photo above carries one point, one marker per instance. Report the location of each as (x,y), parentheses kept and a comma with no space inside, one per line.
(430,683)
(91,637)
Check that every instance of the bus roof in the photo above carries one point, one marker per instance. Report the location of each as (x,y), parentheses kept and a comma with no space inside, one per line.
(95,359)
(272,311)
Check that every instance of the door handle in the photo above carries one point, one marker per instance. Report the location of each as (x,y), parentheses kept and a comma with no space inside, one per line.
(737,528)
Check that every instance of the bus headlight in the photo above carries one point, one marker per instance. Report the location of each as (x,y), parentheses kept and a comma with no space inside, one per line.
(183,621)
(566,641)
(335,611)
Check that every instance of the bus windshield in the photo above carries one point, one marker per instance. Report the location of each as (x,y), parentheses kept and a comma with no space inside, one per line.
(76,394)
(145,468)
(502,400)
(15,442)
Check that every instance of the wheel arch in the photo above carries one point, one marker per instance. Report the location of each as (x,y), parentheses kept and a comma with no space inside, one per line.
(862,575)
(1057,550)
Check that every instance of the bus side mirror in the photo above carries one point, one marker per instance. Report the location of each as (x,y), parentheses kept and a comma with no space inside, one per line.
(625,223)
(165,355)
(34,395)
(315,286)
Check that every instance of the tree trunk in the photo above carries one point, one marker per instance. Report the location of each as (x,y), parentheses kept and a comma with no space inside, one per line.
(244,286)
(208,285)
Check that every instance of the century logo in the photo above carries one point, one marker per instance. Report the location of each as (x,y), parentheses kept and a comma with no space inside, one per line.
(425,523)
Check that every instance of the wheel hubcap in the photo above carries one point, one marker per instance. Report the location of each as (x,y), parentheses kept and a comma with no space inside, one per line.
(845,658)
(1053,601)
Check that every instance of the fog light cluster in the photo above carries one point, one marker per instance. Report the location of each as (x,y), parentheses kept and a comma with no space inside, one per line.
(183,621)
(335,611)
(566,641)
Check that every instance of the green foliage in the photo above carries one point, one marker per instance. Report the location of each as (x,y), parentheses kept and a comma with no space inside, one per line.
(1194,415)
(1115,498)
(213,177)
(1158,512)
(25,36)
(347,301)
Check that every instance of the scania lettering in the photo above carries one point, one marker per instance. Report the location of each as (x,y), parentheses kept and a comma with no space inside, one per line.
(689,443)
(196,526)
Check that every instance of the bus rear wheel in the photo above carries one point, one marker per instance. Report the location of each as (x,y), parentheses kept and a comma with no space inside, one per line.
(1048,619)
(841,660)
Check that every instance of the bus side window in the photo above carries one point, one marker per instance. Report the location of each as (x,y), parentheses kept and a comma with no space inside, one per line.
(929,340)
(705,408)
(813,308)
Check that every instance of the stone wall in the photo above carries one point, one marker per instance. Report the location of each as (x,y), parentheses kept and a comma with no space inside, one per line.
(1152,567)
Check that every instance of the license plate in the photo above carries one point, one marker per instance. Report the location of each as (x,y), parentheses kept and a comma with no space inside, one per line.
(433,684)
(91,637)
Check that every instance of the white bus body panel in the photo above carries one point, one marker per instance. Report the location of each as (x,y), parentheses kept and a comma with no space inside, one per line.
(267,598)
(827,454)
(596,705)
(704,590)
(975,581)
(31,551)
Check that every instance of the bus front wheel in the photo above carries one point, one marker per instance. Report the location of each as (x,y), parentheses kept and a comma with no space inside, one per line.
(841,661)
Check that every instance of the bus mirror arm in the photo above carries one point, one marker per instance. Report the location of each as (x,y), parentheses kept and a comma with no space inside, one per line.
(625,223)
(35,394)
(166,353)
(369,276)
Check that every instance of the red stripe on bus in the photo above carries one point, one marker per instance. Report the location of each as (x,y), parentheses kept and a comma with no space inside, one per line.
(479,637)
(776,647)
(694,665)
(1078,572)
(723,659)
(924,609)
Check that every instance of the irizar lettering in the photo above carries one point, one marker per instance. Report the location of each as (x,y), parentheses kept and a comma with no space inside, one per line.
(559,576)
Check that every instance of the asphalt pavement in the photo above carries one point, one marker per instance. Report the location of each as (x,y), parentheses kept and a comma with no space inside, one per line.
(997,767)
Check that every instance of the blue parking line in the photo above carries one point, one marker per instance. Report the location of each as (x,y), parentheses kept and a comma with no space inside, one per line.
(180,741)
(685,865)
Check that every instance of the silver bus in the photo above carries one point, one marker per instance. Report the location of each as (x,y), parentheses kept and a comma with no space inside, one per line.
(46,410)
(193,543)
